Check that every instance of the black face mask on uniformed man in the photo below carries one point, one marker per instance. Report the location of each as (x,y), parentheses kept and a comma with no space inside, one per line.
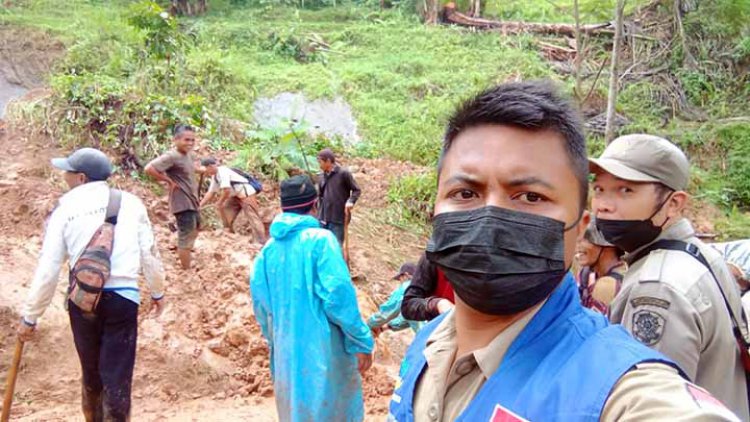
(630,235)
(499,261)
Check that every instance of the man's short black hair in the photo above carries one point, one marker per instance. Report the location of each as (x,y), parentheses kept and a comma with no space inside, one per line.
(327,155)
(534,105)
(181,128)
(209,161)
(662,194)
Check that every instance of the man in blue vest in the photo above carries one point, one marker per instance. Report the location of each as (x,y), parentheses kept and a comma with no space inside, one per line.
(512,188)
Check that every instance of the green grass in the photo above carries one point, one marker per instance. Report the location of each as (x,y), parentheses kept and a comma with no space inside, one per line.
(401,78)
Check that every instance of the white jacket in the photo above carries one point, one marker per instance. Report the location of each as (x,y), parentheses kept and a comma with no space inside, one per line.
(78,216)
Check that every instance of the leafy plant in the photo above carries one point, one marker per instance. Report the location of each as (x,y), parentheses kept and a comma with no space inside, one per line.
(163,37)
(302,48)
(415,196)
(278,151)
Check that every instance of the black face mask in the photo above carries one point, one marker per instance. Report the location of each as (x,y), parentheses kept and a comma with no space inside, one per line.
(630,235)
(499,261)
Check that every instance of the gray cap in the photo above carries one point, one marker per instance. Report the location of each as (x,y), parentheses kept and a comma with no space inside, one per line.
(644,158)
(89,161)
(594,236)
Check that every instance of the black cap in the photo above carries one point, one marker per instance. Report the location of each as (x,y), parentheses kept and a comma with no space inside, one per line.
(89,161)
(408,268)
(209,161)
(297,192)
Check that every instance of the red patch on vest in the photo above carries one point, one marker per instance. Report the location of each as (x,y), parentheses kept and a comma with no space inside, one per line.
(705,400)
(702,397)
(502,414)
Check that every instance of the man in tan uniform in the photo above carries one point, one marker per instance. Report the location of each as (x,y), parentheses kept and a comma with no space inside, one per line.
(669,300)
(512,187)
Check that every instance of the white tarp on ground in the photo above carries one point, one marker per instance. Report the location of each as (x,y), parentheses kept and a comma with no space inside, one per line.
(8,92)
(333,118)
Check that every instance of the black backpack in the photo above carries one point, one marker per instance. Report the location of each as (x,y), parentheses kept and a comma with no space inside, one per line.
(255,183)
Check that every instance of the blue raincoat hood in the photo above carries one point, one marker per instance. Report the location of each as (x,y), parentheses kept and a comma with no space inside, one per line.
(288,223)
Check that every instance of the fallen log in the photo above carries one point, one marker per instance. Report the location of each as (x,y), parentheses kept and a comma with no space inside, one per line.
(451,15)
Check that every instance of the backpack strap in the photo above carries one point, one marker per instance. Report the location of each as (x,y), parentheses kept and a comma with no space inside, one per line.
(694,251)
(113,206)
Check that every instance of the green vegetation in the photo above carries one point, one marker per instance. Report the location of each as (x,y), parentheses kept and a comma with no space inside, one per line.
(415,195)
(131,72)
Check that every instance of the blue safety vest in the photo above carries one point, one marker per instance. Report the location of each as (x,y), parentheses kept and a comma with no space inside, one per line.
(561,367)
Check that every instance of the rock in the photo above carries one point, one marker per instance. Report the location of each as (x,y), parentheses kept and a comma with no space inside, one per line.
(219,348)
(237,337)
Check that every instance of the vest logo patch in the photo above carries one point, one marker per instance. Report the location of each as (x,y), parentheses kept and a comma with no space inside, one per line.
(502,414)
(648,327)
(705,400)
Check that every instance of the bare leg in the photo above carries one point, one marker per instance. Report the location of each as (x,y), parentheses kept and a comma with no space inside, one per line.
(229,213)
(252,208)
(185,257)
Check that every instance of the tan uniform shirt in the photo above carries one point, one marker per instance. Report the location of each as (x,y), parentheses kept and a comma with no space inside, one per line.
(651,391)
(669,301)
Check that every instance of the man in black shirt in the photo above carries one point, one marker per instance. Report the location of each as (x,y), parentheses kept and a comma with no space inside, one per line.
(338,193)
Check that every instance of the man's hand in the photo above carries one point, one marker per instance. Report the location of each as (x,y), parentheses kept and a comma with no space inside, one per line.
(444,305)
(376,331)
(348,207)
(26,332)
(158,306)
(364,361)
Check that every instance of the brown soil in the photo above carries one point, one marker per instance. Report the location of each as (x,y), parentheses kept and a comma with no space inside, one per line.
(205,356)
(26,55)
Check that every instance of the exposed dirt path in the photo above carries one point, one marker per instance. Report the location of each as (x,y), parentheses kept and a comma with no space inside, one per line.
(205,358)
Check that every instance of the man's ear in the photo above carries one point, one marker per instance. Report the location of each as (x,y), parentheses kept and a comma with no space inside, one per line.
(585,221)
(677,203)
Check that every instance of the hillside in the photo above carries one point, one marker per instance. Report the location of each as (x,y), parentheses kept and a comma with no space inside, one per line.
(128,74)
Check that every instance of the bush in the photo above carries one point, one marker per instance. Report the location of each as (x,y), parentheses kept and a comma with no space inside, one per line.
(280,152)
(735,139)
(114,115)
(163,37)
(414,195)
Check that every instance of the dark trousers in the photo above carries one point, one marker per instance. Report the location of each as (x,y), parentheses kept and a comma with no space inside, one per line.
(337,229)
(106,343)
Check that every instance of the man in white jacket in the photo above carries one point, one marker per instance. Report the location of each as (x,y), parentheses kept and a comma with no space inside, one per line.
(105,339)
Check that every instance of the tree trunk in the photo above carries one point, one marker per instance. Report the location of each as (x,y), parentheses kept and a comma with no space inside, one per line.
(475,10)
(188,7)
(429,11)
(579,54)
(687,58)
(451,15)
(609,131)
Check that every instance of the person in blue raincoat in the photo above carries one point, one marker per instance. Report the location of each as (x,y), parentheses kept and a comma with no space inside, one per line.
(306,306)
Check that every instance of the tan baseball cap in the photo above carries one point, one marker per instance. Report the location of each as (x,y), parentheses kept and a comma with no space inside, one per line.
(644,158)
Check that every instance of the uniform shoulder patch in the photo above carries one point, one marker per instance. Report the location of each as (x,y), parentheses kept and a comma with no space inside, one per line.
(650,271)
(649,301)
(648,327)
